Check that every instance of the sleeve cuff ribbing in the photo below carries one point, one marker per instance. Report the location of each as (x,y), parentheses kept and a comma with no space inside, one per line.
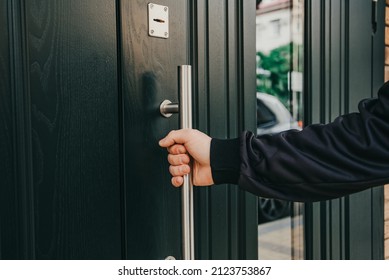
(225,160)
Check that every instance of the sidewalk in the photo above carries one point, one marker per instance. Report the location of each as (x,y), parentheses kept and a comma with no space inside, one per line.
(280,240)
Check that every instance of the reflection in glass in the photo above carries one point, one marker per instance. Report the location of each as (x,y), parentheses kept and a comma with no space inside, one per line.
(279,45)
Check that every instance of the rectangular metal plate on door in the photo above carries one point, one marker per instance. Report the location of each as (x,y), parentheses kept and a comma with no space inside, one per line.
(158,16)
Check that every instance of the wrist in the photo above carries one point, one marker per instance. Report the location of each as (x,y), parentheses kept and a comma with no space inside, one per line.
(225,160)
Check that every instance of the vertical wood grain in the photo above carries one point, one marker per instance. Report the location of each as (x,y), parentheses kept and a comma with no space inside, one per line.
(68,91)
(8,241)
(20,199)
(74,94)
(150,75)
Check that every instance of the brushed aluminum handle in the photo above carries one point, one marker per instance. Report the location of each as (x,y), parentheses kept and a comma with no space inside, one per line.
(184,108)
(168,108)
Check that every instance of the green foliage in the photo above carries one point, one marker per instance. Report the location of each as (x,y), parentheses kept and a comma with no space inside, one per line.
(274,80)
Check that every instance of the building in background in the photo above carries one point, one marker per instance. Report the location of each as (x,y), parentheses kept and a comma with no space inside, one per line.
(279,46)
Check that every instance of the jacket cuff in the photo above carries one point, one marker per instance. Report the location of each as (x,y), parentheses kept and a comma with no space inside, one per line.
(225,160)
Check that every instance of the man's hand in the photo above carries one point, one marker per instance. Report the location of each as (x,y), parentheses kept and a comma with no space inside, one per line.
(184,145)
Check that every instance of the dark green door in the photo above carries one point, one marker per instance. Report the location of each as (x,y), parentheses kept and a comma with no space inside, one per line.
(61,197)
(81,175)
(89,180)
(217,39)
(149,76)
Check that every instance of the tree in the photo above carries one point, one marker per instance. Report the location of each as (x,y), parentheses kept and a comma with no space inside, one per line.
(274,68)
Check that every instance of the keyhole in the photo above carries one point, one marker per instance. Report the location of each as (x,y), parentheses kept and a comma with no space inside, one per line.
(159,20)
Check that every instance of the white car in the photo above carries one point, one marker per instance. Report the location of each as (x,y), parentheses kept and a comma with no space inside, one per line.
(272,116)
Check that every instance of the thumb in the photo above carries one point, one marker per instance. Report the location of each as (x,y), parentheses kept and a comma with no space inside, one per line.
(175,137)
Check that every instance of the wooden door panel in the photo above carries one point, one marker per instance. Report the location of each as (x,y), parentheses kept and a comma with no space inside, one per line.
(72,70)
(149,74)
(8,241)
(82,175)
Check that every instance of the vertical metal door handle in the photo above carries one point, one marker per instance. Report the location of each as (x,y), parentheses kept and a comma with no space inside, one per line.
(185,109)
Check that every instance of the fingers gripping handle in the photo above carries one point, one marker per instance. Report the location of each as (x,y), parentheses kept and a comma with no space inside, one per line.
(167,108)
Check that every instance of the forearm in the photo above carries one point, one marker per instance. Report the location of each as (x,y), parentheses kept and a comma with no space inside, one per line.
(320,162)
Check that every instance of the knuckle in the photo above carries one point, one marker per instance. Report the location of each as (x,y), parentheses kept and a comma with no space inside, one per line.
(170,159)
(185,169)
(185,159)
(172,170)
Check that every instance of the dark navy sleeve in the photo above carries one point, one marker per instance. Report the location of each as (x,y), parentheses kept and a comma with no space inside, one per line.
(320,162)
(225,160)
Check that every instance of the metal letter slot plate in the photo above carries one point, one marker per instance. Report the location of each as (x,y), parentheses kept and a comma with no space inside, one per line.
(158,20)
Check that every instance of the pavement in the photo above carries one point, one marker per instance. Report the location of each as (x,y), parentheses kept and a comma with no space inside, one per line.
(281,239)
